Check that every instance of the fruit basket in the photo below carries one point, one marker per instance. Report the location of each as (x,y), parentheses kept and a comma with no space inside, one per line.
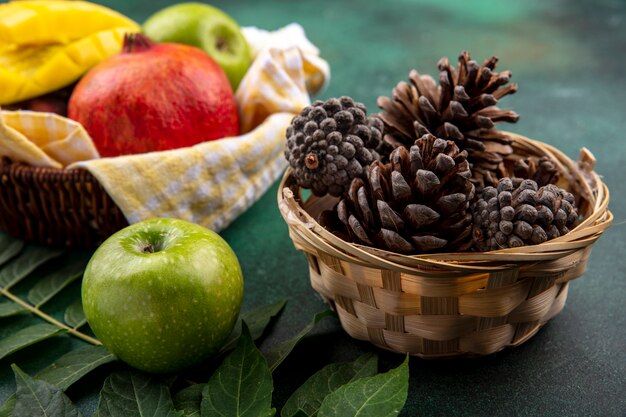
(76,207)
(56,207)
(449,304)
(73,181)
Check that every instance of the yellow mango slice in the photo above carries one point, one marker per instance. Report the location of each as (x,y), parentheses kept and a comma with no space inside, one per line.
(55,21)
(47,45)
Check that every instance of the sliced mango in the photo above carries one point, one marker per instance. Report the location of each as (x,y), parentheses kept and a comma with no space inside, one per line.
(47,45)
(55,21)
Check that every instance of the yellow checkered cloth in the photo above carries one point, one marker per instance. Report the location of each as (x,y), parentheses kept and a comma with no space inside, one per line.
(44,139)
(211,183)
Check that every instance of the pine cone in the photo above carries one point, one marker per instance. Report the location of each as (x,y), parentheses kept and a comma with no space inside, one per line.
(542,170)
(509,217)
(332,142)
(417,202)
(462,108)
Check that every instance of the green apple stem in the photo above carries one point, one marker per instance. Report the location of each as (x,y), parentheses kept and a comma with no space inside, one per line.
(48,318)
(221,44)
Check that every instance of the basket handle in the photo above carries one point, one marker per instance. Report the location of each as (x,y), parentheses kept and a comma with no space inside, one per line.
(586,162)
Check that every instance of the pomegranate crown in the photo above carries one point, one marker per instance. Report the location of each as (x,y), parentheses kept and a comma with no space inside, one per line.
(136,42)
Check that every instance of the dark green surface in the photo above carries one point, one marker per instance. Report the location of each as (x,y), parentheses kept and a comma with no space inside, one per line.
(569,58)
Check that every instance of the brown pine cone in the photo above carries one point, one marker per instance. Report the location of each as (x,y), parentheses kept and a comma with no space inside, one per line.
(417,202)
(331,142)
(542,170)
(509,216)
(462,108)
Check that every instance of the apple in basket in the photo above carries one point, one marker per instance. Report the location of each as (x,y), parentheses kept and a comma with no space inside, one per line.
(163,294)
(208,28)
(154,97)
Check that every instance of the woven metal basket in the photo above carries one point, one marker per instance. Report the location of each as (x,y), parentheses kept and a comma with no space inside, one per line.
(454,304)
(56,207)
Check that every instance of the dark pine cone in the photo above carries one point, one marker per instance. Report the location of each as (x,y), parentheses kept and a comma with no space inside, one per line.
(332,142)
(462,108)
(509,217)
(417,202)
(542,170)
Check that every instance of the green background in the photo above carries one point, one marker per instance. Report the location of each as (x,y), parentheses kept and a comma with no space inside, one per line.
(568,58)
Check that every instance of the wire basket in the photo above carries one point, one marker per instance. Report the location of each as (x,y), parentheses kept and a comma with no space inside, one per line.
(450,304)
(56,207)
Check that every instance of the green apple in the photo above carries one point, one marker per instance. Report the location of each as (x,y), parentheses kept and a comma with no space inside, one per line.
(207,28)
(163,294)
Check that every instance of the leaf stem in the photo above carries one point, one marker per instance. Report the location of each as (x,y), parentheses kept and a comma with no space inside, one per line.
(49,318)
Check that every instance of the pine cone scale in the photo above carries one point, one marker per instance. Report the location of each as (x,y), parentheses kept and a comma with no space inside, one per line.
(400,189)
(358,229)
(452,203)
(428,243)
(430,115)
(388,217)
(504,91)
(394,241)
(426,182)
(420,216)
(424,85)
(390,119)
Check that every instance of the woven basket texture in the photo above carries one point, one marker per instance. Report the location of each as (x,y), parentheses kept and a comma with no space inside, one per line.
(453,304)
(56,207)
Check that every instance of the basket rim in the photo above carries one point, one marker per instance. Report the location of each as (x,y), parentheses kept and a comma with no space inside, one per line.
(56,207)
(6,163)
(310,235)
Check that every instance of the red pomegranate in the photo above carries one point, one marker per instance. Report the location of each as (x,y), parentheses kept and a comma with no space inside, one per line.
(154,97)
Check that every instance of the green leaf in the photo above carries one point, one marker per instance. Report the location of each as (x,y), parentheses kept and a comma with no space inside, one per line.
(75,315)
(278,354)
(380,395)
(75,364)
(68,369)
(54,281)
(307,399)
(9,247)
(8,309)
(133,394)
(189,399)
(40,399)
(365,365)
(257,320)
(242,385)
(6,409)
(19,268)
(26,337)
